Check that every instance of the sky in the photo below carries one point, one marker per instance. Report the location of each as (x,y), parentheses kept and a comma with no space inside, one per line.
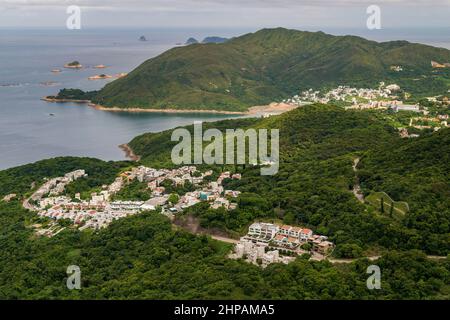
(226,13)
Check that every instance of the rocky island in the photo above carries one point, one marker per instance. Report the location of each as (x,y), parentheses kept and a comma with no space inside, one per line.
(73,65)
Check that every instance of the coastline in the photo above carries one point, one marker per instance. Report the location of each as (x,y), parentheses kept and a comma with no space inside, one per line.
(139,110)
(129,153)
(273,108)
(47,99)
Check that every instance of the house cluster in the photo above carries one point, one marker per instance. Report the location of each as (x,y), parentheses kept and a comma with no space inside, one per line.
(436,123)
(56,186)
(257,254)
(265,241)
(215,193)
(100,210)
(345,93)
(394,105)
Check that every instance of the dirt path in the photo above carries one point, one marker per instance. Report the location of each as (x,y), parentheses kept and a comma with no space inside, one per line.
(27,205)
(356,187)
(223,239)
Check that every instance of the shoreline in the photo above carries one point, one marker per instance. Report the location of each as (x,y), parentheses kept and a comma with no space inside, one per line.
(142,110)
(273,108)
(47,99)
(129,153)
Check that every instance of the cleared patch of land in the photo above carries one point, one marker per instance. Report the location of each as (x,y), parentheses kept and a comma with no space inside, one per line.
(375,198)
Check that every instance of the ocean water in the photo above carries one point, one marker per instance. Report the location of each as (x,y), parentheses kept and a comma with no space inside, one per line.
(27,131)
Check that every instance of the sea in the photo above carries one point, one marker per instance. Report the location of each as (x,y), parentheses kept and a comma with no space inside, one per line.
(32,129)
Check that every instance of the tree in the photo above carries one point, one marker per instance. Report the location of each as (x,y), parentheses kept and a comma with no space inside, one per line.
(391,211)
(173,198)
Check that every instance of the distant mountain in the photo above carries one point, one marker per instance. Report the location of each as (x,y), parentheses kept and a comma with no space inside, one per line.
(191,41)
(269,65)
(215,40)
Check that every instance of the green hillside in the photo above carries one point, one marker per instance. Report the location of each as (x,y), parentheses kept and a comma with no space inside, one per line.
(145,257)
(271,64)
(313,186)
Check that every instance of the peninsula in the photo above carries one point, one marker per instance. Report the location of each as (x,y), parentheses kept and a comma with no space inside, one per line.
(268,66)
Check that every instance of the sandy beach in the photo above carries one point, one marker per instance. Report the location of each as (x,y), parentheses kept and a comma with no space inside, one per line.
(138,110)
(271,109)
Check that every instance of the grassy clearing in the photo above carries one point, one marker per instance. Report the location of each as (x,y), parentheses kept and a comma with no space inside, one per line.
(374,199)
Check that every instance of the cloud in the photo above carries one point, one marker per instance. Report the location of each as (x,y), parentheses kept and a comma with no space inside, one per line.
(226,12)
(189,4)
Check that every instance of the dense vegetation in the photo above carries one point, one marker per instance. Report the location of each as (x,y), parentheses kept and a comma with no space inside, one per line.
(142,257)
(74,94)
(145,257)
(313,187)
(269,65)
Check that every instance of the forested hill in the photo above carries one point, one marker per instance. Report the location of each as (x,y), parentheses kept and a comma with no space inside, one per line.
(145,257)
(314,184)
(268,65)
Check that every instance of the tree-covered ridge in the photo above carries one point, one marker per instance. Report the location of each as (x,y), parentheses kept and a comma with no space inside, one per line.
(270,65)
(318,145)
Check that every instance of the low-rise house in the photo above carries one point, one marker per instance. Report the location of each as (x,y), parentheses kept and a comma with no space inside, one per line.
(219,203)
(232,193)
(305,234)
(236,176)
(285,230)
(295,232)
(406,107)
(263,230)
(323,247)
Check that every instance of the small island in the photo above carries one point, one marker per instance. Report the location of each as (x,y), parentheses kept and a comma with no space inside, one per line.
(142,38)
(100,66)
(73,65)
(100,77)
(191,41)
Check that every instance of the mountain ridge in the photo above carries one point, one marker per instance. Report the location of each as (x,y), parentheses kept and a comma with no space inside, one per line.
(266,66)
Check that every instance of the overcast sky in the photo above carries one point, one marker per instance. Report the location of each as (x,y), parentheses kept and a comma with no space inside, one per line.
(226,13)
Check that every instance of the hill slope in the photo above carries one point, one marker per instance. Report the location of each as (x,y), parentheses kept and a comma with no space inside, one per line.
(271,64)
(313,187)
